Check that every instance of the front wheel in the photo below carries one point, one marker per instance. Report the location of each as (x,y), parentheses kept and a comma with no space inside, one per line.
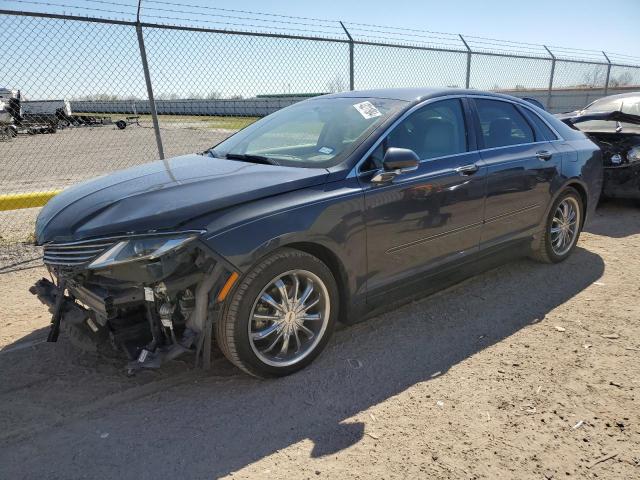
(562,228)
(281,315)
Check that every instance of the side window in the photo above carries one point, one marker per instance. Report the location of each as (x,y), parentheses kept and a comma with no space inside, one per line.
(502,124)
(542,130)
(435,130)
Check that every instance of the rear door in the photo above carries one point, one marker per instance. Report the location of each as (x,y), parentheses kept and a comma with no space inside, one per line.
(522,167)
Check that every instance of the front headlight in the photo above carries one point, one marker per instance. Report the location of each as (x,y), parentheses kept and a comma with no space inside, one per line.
(633,155)
(145,248)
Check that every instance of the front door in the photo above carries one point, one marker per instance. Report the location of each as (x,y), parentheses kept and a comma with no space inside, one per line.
(432,215)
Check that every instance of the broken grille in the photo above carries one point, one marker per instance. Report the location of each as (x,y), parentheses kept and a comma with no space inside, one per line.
(75,253)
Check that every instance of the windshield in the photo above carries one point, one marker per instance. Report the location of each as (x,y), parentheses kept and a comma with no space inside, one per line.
(314,133)
(630,105)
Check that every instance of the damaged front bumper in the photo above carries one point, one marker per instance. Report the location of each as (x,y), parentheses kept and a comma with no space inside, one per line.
(152,309)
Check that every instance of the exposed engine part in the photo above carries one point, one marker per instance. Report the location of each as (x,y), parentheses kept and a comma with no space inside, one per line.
(166,312)
(616,159)
(166,318)
(152,311)
(618,149)
(78,324)
(633,155)
(187,303)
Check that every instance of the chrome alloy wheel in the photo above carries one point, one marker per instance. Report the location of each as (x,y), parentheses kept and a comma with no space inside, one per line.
(289,318)
(565,226)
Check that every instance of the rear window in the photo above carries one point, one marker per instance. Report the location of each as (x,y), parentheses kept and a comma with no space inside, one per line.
(502,125)
(542,130)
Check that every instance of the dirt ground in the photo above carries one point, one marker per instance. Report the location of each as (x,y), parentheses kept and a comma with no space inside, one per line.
(526,371)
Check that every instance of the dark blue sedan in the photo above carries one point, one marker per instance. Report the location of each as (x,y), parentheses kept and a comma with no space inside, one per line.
(328,210)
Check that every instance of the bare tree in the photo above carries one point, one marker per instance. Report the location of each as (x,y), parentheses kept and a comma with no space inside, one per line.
(336,85)
(625,78)
(595,77)
(167,96)
(101,97)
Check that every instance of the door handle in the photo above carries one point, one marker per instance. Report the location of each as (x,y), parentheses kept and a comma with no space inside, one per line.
(544,155)
(467,170)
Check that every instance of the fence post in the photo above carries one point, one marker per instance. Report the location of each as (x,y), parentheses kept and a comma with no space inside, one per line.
(147,79)
(606,83)
(553,71)
(351,76)
(468,79)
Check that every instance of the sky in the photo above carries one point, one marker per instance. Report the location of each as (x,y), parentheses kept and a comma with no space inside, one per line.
(78,59)
(588,24)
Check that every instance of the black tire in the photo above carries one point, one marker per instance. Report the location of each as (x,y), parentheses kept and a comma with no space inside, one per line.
(121,124)
(232,331)
(542,250)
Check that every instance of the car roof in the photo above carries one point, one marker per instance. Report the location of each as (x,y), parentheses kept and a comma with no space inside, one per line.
(413,94)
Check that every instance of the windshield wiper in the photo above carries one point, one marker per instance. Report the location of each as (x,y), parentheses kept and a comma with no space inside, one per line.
(251,158)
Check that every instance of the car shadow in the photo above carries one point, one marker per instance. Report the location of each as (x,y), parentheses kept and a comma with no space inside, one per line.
(216,423)
(616,218)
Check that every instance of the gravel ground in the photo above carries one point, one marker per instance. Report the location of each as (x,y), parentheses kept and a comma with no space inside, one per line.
(526,371)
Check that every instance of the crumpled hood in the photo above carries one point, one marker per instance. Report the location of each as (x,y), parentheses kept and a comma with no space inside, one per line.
(156,196)
(573,118)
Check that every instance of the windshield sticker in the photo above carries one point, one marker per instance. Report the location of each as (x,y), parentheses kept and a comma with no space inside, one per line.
(326,150)
(367,110)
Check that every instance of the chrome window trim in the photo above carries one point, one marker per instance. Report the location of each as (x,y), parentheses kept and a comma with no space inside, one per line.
(355,171)
(490,149)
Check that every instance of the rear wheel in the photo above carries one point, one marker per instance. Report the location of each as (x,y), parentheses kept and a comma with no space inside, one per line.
(280,316)
(562,228)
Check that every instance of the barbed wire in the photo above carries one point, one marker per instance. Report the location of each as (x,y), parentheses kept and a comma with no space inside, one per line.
(262,22)
(74,7)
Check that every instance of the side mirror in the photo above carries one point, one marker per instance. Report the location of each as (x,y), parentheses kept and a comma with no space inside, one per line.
(400,159)
(395,162)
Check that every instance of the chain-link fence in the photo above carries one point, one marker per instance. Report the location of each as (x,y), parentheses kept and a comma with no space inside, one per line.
(85,96)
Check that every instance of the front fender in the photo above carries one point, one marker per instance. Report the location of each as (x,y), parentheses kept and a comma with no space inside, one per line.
(328,216)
